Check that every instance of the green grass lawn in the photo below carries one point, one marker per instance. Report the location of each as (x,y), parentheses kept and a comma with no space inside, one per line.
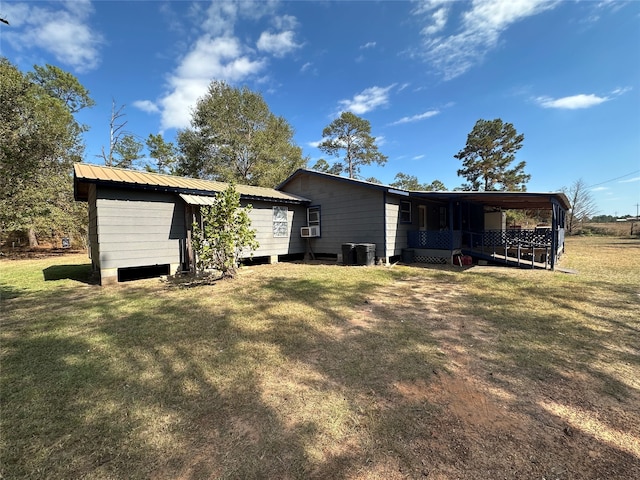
(319,371)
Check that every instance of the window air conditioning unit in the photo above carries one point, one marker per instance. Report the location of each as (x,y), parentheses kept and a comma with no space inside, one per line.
(309,232)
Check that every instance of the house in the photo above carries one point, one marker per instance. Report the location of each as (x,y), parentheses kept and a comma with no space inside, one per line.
(140,222)
(354,211)
(434,227)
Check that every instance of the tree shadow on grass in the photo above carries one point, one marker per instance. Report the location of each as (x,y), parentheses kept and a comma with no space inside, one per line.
(8,292)
(222,382)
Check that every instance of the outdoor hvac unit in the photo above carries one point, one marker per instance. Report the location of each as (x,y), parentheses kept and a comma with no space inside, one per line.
(309,232)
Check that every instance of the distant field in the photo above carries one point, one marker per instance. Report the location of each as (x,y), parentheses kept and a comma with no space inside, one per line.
(619,229)
(295,371)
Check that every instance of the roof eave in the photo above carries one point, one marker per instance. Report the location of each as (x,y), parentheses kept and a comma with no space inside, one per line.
(178,190)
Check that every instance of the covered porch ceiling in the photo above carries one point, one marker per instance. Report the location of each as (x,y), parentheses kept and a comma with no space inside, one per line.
(503,200)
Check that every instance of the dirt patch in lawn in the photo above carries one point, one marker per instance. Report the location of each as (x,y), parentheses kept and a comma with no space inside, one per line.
(493,421)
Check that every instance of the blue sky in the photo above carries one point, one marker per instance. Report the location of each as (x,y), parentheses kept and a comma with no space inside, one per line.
(566,74)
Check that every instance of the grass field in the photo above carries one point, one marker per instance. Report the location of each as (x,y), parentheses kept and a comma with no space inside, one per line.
(296,371)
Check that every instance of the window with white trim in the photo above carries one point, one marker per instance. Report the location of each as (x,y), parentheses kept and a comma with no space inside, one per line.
(280,222)
(313,217)
(405,211)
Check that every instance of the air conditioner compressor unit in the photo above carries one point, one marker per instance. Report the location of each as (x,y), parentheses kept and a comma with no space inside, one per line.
(310,232)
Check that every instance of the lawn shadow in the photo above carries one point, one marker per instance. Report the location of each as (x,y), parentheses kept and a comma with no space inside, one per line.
(79,273)
(8,292)
(221,381)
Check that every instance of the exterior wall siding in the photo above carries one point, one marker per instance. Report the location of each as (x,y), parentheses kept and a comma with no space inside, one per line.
(94,245)
(396,230)
(129,228)
(138,228)
(349,213)
(261,216)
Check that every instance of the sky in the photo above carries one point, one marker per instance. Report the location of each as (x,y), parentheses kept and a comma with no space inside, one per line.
(566,74)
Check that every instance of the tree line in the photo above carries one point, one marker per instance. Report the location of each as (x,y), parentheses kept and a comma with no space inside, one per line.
(232,137)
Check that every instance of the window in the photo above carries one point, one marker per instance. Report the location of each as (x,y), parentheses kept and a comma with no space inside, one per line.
(443,217)
(313,217)
(280,222)
(405,211)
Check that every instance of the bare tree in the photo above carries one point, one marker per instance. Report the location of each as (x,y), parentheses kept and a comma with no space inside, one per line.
(583,206)
(124,149)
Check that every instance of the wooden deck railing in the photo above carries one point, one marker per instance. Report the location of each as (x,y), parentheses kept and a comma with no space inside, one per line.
(522,247)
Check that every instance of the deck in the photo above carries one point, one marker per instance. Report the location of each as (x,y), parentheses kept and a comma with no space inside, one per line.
(524,248)
(525,260)
(514,247)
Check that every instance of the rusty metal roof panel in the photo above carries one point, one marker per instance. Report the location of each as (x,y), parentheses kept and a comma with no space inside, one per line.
(86,173)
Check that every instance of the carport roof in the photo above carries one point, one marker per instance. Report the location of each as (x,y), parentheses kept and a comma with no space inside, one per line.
(505,200)
(86,174)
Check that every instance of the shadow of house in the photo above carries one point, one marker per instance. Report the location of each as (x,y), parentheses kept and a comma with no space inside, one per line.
(80,273)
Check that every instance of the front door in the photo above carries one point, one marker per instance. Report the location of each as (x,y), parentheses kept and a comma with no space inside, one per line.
(422,217)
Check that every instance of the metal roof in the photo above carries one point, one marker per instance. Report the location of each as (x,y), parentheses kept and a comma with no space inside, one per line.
(86,174)
(505,200)
(340,178)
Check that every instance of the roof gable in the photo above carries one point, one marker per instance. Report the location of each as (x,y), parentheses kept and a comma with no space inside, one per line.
(339,178)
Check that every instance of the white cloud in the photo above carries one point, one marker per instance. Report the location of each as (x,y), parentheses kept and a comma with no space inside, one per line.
(285,22)
(416,118)
(417,157)
(314,144)
(479,29)
(599,189)
(634,179)
(439,20)
(210,58)
(306,67)
(572,102)
(220,17)
(146,106)
(367,45)
(426,6)
(277,44)
(219,54)
(621,91)
(367,100)
(581,100)
(69,38)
